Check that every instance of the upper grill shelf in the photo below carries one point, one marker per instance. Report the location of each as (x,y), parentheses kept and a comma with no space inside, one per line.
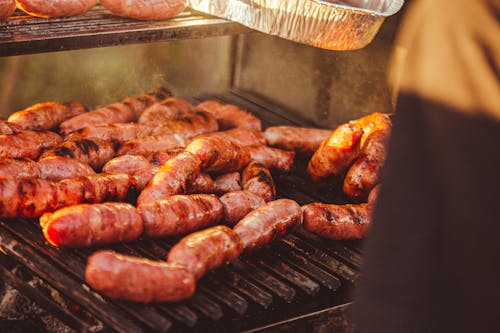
(24,34)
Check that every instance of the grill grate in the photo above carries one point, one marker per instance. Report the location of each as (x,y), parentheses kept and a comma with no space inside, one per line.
(253,291)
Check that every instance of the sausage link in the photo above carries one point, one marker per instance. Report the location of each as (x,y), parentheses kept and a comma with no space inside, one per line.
(201,184)
(338,221)
(19,168)
(169,109)
(204,250)
(128,164)
(55,8)
(145,9)
(7,7)
(257,179)
(231,116)
(9,128)
(272,221)
(103,187)
(190,125)
(238,204)
(92,224)
(27,144)
(272,158)
(46,116)
(58,168)
(227,182)
(180,214)
(120,132)
(371,123)
(151,144)
(373,196)
(137,279)
(161,157)
(240,136)
(303,140)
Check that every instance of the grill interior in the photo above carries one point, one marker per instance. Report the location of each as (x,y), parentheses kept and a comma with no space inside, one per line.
(297,276)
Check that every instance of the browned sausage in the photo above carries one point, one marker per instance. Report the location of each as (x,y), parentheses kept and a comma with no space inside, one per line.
(145,9)
(172,178)
(201,184)
(335,154)
(19,168)
(92,224)
(120,132)
(180,214)
(227,182)
(230,116)
(218,155)
(151,144)
(55,8)
(190,125)
(204,250)
(272,221)
(373,196)
(46,116)
(138,279)
(238,204)
(338,221)
(240,136)
(128,164)
(272,158)
(303,140)
(102,187)
(371,123)
(161,157)
(28,144)
(58,168)
(169,109)
(7,7)
(364,174)
(9,128)
(94,152)
(121,112)
(257,179)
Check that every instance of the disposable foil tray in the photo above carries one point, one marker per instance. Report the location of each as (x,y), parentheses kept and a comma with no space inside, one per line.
(332,24)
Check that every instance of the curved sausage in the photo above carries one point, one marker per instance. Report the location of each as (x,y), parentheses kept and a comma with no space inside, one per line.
(218,155)
(272,221)
(169,109)
(272,158)
(55,8)
(19,168)
(128,164)
(204,250)
(145,9)
(231,116)
(102,187)
(92,224)
(120,132)
(203,183)
(188,126)
(335,154)
(257,179)
(9,128)
(7,7)
(172,178)
(180,214)
(303,140)
(137,279)
(58,168)
(27,144)
(161,157)
(364,174)
(338,221)
(151,144)
(227,182)
(46,116)
(371,123)
(238,204)
(240,136)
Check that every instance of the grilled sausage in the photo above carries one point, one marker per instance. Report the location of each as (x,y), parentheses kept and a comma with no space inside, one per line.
(257,179)
(7,7)
(180,214)
(204,250)
(137,279)
(272,221)
(189,125)
(335,154)
(203,183)
(240,136)
(128,164)
(169,109)
(373,196)
(122,112)
(238,204)
(9,128)
(303,140)
(58,168)
(55,8)
(364,174)
(120,132)
(161,157)
(172,178)
(19,168)
(102,187)
(94,152)
(28,144)
(231,116)
(218,155)
(338,221)
(152,144)
(46,116)
(371,123)
(92,224)
(228,182)
(272,158)
(145,9)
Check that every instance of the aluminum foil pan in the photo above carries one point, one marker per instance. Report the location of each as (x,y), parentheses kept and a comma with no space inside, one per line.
(328,24)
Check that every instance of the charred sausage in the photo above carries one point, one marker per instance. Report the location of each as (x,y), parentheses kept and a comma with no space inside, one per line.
(272,221)
(338,221)
(128,164)
(257,179)
(138,279)
(55,8)
(46,116)
(145,9)
(120,132)
(238,204)
(9,128)
(203,183)
(92,224)
(231,116)
(180,214)
(204,250)
(240,136)
(58,168)
(7,7)
(152,144)
(19,168)
(228,182)
(272,158)
(189,125)
(300,139)
(161,157)
(169,109)
(27,144)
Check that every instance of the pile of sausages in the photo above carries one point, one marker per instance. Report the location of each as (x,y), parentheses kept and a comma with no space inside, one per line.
(137,9)
(155,165)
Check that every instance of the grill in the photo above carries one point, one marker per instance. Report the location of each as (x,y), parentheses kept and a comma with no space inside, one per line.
(299,277)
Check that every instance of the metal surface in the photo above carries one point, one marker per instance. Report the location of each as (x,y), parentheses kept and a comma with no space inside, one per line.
(328,24)
(24,34)
(293,279)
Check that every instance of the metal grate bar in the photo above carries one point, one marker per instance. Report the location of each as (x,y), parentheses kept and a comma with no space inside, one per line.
(206,306)
(231,299)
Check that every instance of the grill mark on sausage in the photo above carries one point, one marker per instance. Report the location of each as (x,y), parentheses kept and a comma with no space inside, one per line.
(64,151)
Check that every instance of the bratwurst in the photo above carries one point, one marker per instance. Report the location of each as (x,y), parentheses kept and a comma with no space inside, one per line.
(145,9)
